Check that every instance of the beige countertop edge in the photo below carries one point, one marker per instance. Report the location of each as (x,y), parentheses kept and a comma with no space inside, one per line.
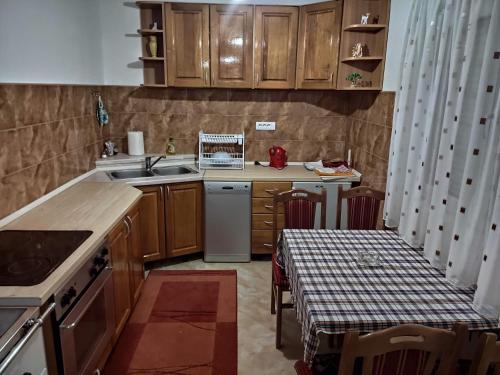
(106,210)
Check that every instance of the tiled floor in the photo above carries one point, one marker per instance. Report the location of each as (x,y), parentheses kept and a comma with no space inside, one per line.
(256,326)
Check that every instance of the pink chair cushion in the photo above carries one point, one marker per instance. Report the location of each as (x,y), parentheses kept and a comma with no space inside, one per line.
(362,213)
(299,214)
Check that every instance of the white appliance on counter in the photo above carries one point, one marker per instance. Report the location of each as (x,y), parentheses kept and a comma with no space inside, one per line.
(332,193)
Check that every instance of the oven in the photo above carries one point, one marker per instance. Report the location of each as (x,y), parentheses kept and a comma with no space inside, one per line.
(85,316)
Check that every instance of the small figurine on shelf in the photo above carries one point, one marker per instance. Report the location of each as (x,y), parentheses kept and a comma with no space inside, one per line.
(357,50)
(155,26)
(365,18)
(354,78)
(153,46)
(376,19)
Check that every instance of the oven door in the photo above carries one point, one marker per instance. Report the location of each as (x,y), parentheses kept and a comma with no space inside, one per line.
(87,330)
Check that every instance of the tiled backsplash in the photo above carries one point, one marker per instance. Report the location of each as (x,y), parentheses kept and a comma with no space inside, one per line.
(49,135)
(310,124)
(369,127)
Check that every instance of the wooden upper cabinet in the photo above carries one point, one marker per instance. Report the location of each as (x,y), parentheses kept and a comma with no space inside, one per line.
(187,28)
(231,45)
(318,47)
(275,46)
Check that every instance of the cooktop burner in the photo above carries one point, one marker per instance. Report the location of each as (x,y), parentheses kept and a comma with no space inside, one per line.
(27,257)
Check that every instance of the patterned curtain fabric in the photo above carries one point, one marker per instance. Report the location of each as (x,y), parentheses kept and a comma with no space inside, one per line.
(444,171)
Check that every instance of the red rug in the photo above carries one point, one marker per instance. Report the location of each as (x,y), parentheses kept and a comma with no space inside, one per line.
(184,323)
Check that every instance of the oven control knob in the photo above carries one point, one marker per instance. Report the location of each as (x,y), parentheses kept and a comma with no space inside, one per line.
(71,292)
(99,261)
(93,272)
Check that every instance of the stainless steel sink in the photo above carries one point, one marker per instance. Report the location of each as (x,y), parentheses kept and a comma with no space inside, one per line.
(169,171)
(131,173)
(156,172)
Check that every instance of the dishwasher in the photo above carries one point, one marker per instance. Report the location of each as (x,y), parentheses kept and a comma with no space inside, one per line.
(227,221)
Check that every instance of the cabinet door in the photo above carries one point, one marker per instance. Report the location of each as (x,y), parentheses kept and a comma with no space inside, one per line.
(121,284)
(187,45)
(136,261)
(184,218)
(275,46)
(231,45)
(318,48)
(152,224)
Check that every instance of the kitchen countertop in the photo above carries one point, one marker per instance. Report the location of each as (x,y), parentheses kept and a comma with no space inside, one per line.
(95,206)
(259,173)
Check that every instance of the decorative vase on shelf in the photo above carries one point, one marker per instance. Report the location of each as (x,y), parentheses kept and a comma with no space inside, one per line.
(153,46)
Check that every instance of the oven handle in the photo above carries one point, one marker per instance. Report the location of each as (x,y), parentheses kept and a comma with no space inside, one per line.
(96,287)
(33,325)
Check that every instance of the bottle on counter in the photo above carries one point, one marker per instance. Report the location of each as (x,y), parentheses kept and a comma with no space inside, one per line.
(170,150)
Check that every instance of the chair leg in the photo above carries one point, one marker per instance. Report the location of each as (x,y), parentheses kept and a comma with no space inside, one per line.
(279,310)
(273,300)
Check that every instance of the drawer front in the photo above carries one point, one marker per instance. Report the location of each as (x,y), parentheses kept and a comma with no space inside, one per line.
(262,241)
(265,221)
(262,189)
(265,206)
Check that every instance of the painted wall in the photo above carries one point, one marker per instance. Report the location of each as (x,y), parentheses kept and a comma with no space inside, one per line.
(50,41)
(400,10)
(99,42)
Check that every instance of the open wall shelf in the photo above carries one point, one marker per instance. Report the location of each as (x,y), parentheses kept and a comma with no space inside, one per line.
(151,27)
(373,38)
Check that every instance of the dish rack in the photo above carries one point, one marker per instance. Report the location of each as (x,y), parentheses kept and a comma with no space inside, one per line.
(221,151)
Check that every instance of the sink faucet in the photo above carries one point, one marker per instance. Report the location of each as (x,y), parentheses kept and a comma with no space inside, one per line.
(150,165)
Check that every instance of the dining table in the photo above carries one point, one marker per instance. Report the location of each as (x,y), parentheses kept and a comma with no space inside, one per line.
(335,290)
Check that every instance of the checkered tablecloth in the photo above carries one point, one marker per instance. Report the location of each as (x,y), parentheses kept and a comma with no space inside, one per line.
(333,294)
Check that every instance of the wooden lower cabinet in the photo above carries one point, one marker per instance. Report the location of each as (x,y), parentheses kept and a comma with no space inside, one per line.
(118,246)
(135,253)
(152,209)
(262,214)
(124,243)
(183,209)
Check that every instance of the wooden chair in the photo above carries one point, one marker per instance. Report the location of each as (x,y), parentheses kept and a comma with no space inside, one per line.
(408,349)
(363,204)
(300,211)
(487,354)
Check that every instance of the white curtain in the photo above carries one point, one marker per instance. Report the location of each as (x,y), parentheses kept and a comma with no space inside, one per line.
(444,171)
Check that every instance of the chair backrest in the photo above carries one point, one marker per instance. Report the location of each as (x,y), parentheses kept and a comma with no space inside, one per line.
(487,354)
(363,205)
(408,349)
(300,210)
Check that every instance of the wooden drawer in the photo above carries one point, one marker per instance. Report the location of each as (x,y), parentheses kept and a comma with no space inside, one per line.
(265,221)
(263,189)
(262,241)
(265,206)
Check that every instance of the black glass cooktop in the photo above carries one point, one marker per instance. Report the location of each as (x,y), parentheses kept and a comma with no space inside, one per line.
(27,257)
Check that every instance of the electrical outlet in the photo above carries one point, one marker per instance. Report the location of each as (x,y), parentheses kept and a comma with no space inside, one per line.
(265,125)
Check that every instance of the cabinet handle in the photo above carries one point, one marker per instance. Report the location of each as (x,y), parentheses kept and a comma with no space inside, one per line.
(127,225)
(269,206)
(271,191)
(331,77)
(168,192)
(268,245)
(268,223)
(161,192)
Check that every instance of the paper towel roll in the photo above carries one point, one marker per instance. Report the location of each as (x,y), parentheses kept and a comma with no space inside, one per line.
(135,143)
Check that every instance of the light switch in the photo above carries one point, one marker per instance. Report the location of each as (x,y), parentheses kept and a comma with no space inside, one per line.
(265,125)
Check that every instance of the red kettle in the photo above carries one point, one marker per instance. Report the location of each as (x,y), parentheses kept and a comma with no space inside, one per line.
(277,157)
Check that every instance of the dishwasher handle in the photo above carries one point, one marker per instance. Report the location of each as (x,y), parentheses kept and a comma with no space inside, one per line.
(226,187)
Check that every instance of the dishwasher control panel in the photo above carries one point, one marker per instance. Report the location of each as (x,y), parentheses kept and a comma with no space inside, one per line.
(221,187)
